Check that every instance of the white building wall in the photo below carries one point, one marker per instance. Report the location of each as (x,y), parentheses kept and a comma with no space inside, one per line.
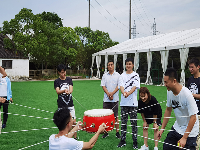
(20,68)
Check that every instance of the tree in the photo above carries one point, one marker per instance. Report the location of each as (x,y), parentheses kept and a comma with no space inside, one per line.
(93,41)
(37,37)
(72,43)
(51,18)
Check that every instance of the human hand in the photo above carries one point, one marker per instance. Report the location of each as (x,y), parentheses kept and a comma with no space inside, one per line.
(110,96)
(145,125)
(79,125)
(11,100)
(181,143)
(126,94)
(67,91)
(160,134)
(102,128)
(2,100)
(155,126)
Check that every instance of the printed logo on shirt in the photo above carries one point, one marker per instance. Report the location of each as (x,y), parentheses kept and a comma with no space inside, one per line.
(194,89)
(63,96)
(130,82)
(175,104)
(64,86)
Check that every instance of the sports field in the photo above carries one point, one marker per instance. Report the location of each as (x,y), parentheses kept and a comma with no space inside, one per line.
(34,102)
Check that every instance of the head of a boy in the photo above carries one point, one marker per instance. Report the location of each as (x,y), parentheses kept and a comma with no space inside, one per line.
(129,64)
(4,70)
(194,65)
(62,118)
(170,78)
(110,65)
(62,70)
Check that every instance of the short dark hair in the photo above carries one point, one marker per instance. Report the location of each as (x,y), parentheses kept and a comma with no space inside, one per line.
(171,72)
(110,61)
(61,118)
(3,67)
(61,67)
(194,61)
(129,59)
(145,90)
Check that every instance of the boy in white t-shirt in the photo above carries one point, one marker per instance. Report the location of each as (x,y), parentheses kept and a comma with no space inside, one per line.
(63,140)
(129,82)
(186,127)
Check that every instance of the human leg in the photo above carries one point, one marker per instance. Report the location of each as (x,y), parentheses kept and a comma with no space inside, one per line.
(198,137)
(124,118)
(5,110)
(171,140)
(156,137)
(191,143)
(133,119)
(145,135)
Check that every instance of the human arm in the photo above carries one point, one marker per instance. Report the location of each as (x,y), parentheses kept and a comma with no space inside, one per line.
(2,71)
(196,96)
(145,123)
(165,121)
(110,94)
(191,123)
(113,92)
(122,89)
(70,90)
(130,92)
(77,127)
(58,91)
(91,143)
(155,125)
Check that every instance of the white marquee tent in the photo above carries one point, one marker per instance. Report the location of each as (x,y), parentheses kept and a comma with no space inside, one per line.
(181,40)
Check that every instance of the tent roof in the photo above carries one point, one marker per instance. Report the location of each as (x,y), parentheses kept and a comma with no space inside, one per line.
(167,41)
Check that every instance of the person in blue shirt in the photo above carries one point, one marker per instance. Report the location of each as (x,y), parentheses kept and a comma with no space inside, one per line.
(5,92)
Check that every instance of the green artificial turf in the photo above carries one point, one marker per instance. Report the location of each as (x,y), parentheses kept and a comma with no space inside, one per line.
(41,95)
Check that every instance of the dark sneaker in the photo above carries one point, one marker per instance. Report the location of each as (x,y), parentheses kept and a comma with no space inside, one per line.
(135,147)
(118,135)
(105,135)
(3,126)
(121,144)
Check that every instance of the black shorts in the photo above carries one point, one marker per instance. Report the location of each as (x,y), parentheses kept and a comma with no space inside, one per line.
(150,121)
(113,106)
(173,137)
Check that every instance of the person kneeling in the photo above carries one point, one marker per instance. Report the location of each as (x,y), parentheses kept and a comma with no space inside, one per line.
(63,140)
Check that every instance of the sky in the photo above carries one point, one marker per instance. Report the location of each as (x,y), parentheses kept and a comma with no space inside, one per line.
(112,16)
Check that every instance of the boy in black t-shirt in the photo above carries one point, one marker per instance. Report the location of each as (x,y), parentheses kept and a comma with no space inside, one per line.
(151,112)
(194,86)
(64,88)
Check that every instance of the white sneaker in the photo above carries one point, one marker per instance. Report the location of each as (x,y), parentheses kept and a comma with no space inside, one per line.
(144,147)
(155,148)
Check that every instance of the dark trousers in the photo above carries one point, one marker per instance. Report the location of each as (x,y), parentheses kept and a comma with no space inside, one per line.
(5,111)
(173,137)
(132,112)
